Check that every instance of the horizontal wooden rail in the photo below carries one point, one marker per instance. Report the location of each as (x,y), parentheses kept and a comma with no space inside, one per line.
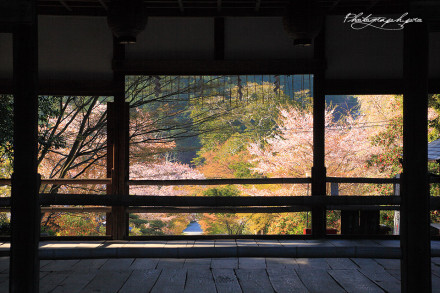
(227,181)
(331,202)
(189,210)
(216,237)
(153,203)
(68,209)
(5,201)
(221,181)
(263,181)
(77,181)
(224,209)
(63,181)
(252,210)
(434,203)
(191,201)
(5,181)
(363,180)
(217,67)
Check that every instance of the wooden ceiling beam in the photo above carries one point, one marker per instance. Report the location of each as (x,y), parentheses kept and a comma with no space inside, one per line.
(66,87)
(257,6)
(103,4)
(181,8)
(214,8)
(216,67)
(65,5)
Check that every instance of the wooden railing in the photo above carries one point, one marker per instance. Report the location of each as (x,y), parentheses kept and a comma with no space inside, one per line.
(257,181)
(63,181)
(228,181)
(194,204)
(84,203)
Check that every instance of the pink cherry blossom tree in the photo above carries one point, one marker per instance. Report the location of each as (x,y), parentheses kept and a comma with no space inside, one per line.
(289,152)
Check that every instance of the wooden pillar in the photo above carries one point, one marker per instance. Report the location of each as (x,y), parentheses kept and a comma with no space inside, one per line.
(318,169)
(118,125)
(110,188)
(24,262)
(369,222)
(350,222)
(415,237)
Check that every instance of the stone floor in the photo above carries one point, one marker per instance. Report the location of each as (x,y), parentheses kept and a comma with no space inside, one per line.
(220,275)
(332,248)
(220,266)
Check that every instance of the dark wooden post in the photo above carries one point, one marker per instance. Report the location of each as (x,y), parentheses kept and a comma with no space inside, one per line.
(369,222)
(350,222)
(24,262)
(119,126)
(110,188)
(415,237)
(349,219)
(318,169)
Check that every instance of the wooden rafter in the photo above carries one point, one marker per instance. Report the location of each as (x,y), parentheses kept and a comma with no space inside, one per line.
(65,5)
(257,5)
(181,8)
(213,8)
(103,4)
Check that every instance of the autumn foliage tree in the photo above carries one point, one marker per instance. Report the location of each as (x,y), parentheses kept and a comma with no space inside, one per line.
(233,128)
(73,138)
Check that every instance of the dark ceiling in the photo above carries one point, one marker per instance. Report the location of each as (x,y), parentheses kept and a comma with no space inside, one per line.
(209,8)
